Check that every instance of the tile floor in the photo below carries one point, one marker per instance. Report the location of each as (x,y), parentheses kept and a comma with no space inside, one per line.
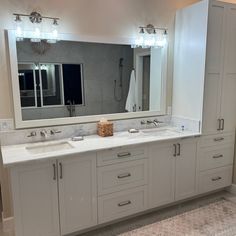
(118,228)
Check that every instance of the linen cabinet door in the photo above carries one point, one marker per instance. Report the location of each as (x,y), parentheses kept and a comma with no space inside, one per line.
(185,181)
(228,105)
(161,174)
(214,68)
(35,200)
(77,193)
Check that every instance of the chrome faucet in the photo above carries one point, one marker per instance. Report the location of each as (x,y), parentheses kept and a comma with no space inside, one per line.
(156,122)
(44,133)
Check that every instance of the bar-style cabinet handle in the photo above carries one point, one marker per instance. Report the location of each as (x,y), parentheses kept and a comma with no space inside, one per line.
(219,124)
(175,150)
(216,179)
(61,174)
(217,156)
(219,139)
(54,172)
(124,154)
(123,176)
(179,149)
(222,124)
(121,204)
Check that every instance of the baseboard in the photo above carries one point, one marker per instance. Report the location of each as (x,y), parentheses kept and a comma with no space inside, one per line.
(8,224)
(232,189)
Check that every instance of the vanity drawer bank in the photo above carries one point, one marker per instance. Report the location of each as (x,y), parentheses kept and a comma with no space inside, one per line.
(70,191)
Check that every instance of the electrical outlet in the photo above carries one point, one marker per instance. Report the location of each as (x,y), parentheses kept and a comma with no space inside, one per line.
(6,125)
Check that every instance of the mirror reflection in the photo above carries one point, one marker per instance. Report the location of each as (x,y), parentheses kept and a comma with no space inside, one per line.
(70,79)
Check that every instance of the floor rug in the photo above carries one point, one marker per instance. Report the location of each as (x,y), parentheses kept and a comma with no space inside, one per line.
(216,219)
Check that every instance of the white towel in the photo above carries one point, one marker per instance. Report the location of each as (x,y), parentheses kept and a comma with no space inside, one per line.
(131,98)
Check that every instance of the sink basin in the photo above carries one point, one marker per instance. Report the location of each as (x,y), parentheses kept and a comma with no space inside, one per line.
(48,147)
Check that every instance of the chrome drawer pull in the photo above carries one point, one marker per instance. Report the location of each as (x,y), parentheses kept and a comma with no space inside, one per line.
(218,139)
(216,179)
(124,154)
(124,203)
(122,176)
(217,156)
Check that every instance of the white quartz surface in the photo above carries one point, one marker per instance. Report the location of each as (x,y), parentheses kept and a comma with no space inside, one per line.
(18,154)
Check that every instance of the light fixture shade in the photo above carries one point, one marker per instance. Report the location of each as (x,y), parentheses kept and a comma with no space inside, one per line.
(156,37)
(19,28)
(54,32)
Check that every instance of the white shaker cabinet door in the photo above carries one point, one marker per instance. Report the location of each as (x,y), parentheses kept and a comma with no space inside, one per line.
(228,105)
(214,68)
(77,193)
(185,181)
(161,174)
(35,198)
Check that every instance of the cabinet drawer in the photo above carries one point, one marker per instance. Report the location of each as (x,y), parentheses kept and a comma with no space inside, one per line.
(122,154)
(122,176)
(215,179)
(121,204)
(215,157)
(218,139)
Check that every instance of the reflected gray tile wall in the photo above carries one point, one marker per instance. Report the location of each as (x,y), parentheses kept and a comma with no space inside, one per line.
(100,68)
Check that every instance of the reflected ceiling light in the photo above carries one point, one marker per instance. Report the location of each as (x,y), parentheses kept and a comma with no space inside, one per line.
(36,19)
(150,36)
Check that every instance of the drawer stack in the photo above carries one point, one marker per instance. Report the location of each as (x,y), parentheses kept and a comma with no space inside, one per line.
(215,162)
(122,182)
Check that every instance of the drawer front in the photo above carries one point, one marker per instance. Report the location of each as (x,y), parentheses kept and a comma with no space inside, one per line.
(122,154)
(122,176)
(121,204)
(218,139)
(215,157)
(215,179)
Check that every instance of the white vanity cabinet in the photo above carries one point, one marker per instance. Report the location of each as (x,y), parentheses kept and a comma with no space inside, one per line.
(39,189)
(77,193)
(172,171)
(220,81)
(215,161)
(35,199)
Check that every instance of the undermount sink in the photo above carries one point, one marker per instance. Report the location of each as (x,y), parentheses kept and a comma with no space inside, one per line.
(48,147)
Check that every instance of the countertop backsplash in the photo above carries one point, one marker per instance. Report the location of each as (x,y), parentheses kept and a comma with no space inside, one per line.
(12,136)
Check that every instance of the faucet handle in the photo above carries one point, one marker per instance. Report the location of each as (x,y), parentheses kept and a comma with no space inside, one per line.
(53,132)
(32,134)
(158,121)
(143,122)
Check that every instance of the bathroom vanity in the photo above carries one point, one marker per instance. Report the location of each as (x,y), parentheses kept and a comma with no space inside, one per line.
(78,185)
(62,187)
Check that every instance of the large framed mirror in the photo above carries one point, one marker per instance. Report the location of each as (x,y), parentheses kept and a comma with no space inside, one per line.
(78,80)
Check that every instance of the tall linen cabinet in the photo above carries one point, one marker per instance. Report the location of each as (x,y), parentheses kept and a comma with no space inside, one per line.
(205,61)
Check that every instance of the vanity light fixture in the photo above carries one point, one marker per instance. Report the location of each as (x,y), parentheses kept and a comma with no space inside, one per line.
(150,36)
(36,19)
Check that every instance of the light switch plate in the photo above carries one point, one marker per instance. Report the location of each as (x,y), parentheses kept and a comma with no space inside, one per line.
(6,125)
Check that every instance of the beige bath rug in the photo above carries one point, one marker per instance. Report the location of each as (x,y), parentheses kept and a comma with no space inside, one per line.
(216,219)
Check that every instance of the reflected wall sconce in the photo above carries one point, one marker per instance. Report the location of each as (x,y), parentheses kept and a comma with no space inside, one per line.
(36,19)
(150,36)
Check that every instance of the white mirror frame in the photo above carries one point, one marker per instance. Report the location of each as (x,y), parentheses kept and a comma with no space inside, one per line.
(19,123)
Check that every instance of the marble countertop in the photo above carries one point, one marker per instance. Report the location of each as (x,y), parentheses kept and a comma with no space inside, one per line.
(13,155)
